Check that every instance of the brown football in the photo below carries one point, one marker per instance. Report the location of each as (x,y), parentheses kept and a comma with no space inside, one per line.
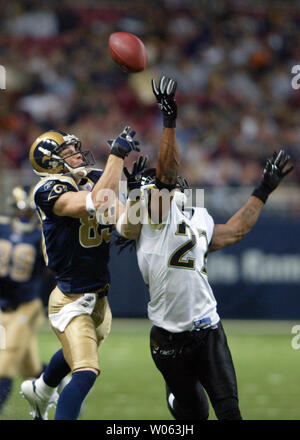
(128,51)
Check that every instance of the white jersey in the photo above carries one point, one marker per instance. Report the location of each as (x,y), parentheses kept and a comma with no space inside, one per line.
(172,260)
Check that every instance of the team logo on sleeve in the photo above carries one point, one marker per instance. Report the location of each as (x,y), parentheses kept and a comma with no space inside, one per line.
(57,190)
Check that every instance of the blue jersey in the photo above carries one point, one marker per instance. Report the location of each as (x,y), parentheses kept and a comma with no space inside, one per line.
(77,250)
(21,264)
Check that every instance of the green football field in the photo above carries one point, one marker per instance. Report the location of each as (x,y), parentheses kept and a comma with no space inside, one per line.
(130,388)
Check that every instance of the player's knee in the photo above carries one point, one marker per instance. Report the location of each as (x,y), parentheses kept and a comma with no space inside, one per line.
(203,411)
(9,364)
(94,370)
(10,374)
(199,411)
(228,409)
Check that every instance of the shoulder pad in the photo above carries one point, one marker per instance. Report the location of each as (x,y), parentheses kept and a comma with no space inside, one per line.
(48,182)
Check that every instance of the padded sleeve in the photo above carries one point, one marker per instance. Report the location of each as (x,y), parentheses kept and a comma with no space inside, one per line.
(47,194)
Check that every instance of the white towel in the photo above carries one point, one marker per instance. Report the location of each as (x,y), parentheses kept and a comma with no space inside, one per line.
(82,306)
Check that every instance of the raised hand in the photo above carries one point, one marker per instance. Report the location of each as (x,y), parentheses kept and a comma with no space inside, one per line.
(134,178)
(165,97)
(273,173)
(124,143)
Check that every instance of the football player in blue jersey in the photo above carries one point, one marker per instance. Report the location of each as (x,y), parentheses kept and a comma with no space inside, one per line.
(22,311)
(76,248)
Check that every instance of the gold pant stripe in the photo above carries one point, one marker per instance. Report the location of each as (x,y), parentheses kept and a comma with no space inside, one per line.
(84,334)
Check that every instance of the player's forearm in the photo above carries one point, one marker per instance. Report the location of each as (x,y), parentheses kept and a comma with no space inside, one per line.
(108,184)
(243,221)
(104,194)
(168,158)
(129,224)
(237,226)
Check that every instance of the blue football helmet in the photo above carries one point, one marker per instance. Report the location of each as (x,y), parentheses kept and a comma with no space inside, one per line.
(21,201)
(21,198)
(45,154)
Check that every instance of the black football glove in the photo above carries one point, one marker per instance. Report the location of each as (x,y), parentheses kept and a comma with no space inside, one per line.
(134,179)
(272,175)
(165,97)
(123,144)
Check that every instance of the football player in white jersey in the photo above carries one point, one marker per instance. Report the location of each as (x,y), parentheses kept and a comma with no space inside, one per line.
(187,340)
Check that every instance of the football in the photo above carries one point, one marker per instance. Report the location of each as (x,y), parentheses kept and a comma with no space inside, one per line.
(128,51)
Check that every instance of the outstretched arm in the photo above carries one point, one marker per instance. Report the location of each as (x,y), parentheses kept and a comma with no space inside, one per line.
(237,226)
(129,224)
(167,165)
(74,204)
(168,156)
(243,221)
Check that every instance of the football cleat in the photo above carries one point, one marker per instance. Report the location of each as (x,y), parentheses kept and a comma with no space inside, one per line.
(39,405)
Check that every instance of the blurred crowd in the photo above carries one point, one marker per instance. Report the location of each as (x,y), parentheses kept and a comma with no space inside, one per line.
(232,60)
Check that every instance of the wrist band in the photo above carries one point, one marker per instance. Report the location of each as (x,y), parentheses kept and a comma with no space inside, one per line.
(169,123)
(261,193)
(119,223)
(116,152)
(89,204)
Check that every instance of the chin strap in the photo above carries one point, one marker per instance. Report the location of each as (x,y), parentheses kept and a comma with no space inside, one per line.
(79,172)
